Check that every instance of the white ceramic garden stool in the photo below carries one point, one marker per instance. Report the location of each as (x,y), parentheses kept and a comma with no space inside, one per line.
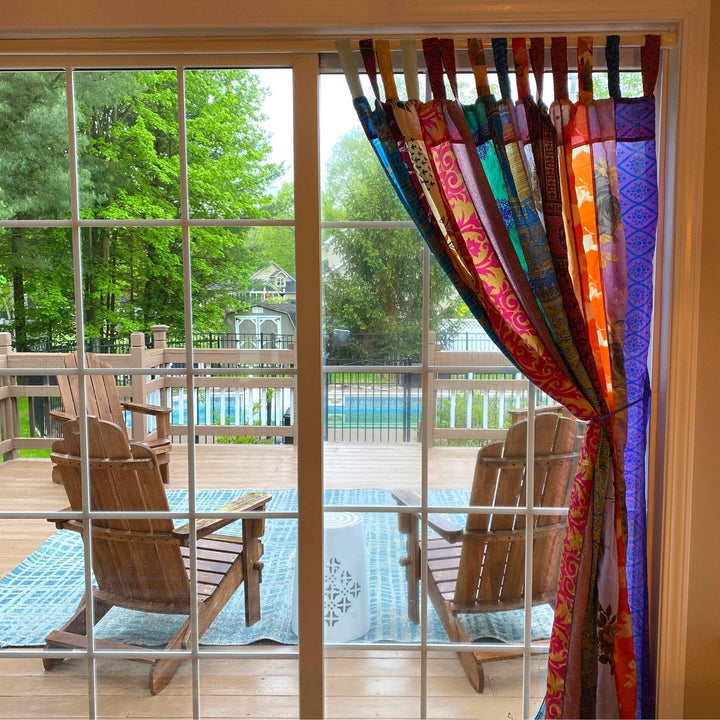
(347,600)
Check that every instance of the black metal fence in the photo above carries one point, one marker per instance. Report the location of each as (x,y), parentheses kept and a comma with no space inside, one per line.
(245,341)
(95,345)
(341,346)
(360,406)
(372,407)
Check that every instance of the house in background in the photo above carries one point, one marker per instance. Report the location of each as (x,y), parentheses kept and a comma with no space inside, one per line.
(272,282)
(270,320)
(264,325)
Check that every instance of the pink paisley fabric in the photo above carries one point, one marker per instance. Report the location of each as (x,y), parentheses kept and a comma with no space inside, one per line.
(504,309)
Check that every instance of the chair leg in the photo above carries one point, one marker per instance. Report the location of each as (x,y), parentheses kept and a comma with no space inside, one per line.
(456,633)
(471,665)
(473,669)
(164,464)
(76,625)
(162,671)
(252,568)
(408,525)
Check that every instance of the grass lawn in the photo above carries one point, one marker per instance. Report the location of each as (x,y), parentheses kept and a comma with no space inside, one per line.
(25,432)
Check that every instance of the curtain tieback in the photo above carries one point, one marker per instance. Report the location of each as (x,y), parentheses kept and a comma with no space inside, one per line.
(602,418)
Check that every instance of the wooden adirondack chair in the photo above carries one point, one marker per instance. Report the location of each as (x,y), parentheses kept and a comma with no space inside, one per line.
(103,401)
(481,567)
(144,564)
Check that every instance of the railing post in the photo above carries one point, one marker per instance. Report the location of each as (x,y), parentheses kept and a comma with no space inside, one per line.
(159,333)
(293,393)
(9,413)
(138,383)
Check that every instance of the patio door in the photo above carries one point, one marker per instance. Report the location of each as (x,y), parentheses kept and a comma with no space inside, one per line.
(177,190)
(413,389)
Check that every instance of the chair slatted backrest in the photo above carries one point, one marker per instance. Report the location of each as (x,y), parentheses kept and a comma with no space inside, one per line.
(492,564)
(102,397)
(136,561)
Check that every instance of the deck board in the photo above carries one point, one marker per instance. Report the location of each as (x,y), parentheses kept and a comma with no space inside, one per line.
(365,683)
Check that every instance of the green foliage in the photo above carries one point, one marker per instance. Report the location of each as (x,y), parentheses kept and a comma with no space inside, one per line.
(33,161)
(376,287)
(631,85)
(129,167)
(276,244)
(34,183)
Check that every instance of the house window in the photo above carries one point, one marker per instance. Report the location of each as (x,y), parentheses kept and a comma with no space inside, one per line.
(147,226)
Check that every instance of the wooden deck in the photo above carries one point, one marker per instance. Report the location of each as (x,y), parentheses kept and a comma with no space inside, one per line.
(365,683)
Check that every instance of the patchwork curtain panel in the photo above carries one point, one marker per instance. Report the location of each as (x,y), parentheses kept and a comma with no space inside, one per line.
(545,219)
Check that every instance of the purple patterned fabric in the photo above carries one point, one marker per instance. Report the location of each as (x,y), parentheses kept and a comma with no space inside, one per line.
(637,176)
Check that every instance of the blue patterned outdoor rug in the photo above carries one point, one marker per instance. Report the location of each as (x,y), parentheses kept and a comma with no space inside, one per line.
(41,593)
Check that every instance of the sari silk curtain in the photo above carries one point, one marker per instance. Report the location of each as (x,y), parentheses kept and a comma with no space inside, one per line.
(544,220)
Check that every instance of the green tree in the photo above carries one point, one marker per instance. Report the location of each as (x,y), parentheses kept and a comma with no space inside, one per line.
(34,184)
(276,244)
(373,285)
(134,276)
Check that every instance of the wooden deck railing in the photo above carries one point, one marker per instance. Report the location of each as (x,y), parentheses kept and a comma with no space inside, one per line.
(486,389)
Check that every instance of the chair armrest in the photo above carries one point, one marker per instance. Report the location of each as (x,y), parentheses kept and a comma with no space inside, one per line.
(441,525)
(74,525)
(146,409)
(159,412)
(61,416)
(207,526)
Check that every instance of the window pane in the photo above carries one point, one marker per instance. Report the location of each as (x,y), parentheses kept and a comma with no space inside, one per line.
(538,679)
(37,326)
(128,144)
(249,688)
(133,280)
(373,684)
(365,408)
(372,296)
(42,578)
(64,693)
(34,148)
(244,340)
(452,696)
(355,186)
(239,129)
(36,288)
(122,684)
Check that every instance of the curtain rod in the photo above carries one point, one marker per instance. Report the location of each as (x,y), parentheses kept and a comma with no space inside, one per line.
(258,44)
(668,39)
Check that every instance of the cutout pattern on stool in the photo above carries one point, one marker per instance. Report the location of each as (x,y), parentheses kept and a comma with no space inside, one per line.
(341,590)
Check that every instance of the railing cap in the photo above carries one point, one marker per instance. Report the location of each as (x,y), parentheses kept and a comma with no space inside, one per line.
(137,339)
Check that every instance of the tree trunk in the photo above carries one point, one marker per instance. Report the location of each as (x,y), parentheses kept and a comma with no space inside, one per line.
(19,293)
